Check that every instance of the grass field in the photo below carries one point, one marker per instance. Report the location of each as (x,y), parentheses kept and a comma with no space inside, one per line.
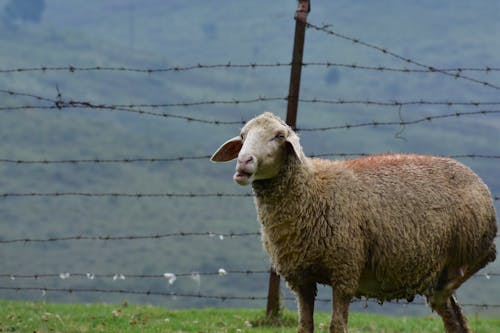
(78,318)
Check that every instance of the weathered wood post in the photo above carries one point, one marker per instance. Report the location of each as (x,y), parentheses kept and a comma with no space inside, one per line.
(304,7)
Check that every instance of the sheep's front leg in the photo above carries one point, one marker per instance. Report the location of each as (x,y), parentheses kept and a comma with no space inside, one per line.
(340,312)
(306,293)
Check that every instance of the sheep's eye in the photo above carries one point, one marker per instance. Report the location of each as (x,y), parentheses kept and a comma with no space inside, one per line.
(280,136)
(241,136)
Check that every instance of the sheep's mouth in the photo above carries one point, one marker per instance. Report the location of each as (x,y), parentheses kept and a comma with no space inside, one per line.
(242,177)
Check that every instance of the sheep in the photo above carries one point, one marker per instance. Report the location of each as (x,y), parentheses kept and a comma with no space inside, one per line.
(386,227)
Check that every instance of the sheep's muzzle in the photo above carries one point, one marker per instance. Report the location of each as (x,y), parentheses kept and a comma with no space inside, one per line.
(246,166)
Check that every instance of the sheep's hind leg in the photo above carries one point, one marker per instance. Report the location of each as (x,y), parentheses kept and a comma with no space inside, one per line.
(453,319)
(306,293)
(445,303)
(458,314)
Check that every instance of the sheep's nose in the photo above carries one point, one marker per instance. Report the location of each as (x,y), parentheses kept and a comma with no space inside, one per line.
(246,159)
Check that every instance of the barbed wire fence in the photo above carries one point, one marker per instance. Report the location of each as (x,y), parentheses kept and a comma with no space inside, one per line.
(60,103)
(15,276)
(201,157)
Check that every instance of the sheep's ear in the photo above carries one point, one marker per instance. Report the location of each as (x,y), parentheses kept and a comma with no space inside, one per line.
(294,147)
(228,151)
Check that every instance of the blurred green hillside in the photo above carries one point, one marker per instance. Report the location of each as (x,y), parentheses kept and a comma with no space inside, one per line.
(153,35)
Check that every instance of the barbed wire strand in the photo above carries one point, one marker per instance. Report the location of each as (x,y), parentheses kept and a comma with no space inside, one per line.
(73,69)
(400,123)
(243,122)
(129,195)
(486,69)
(108,160)
(132,292)
(23,94)
(397,103)
(203,158)
(91,276)
(221,236)
(126,195)
(60,105)
(228,65)
(259,99)
(357,41)
(77,104)
(199,295)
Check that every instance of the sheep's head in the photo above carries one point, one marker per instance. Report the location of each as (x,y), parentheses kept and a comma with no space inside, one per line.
(260,149)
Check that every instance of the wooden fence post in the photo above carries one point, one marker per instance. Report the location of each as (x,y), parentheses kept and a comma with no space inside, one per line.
(304,7)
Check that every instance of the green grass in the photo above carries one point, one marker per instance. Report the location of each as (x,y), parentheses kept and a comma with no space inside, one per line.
(80,318)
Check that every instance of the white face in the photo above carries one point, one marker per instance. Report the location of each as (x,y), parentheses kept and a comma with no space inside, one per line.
(261,149)
(262,153)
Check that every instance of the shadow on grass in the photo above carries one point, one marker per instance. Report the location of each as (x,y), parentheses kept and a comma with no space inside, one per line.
(282,319)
